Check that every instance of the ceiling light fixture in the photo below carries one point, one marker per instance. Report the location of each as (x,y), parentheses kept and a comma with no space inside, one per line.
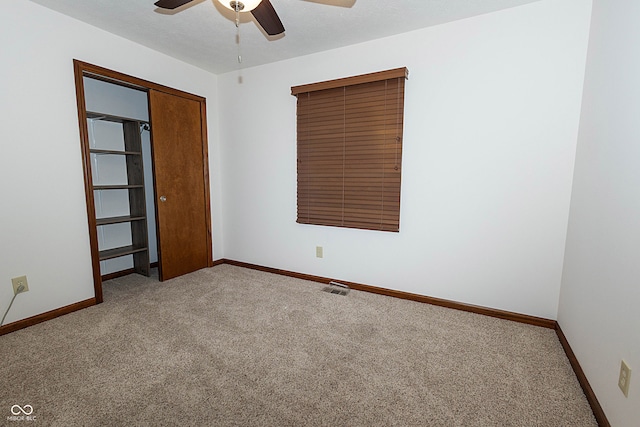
(240,6)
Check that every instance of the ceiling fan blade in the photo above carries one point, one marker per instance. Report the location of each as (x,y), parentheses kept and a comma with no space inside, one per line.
(268,19)
(171,4)
(339,3)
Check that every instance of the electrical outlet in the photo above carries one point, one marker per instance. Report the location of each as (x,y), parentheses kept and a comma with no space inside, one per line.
(318,251)
(20,285)
(625,377)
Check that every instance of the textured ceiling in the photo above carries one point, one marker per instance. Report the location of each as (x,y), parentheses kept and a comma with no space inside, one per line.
(203,32)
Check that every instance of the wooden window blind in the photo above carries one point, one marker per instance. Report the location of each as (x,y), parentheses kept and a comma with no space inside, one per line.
(349,142)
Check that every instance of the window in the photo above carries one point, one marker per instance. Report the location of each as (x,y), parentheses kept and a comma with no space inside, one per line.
(349,134)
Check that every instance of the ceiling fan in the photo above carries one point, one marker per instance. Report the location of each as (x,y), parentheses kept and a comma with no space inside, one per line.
(262,10)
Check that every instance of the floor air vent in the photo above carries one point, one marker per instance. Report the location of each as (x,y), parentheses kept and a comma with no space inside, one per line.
(336,288)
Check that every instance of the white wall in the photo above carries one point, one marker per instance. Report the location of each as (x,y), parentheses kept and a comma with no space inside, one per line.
(600,293)
(43,220)
(492,109)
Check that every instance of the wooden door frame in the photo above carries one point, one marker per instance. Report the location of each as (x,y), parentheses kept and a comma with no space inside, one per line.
(83,69)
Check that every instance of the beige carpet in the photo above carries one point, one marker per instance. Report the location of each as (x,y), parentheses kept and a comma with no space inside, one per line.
(228,346)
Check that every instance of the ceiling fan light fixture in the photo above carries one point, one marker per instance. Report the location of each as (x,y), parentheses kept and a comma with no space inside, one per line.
(243,6)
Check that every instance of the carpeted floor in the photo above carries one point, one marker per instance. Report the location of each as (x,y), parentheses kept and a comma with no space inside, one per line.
(229,346)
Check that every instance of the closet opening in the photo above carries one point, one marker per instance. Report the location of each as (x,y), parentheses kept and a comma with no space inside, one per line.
(119,134)
(146,177)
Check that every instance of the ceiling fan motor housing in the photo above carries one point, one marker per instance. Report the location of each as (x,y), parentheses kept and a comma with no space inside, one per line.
(236,5)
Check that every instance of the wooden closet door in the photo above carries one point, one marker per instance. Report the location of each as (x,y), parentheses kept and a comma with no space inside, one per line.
(181,173)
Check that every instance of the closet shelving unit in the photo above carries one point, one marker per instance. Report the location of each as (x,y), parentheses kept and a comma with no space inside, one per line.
(137,218)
